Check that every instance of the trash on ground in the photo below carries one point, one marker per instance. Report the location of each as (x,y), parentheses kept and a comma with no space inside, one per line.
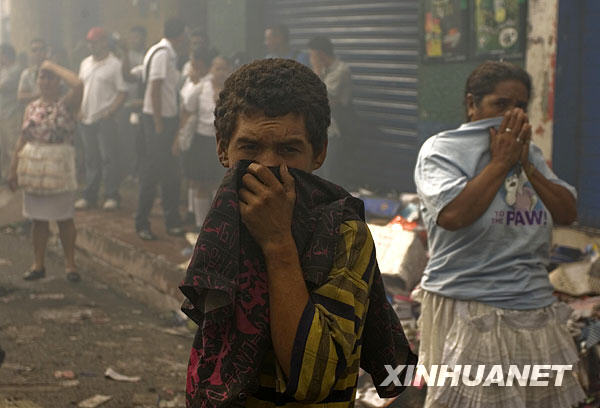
(94,401)
(5,262)
(47,296)
(177,402)
(580,277)
(25,334)
(70,314)
(191,238)
(401,256)
(66,374)
(113,375)
(17,367)
(69,383)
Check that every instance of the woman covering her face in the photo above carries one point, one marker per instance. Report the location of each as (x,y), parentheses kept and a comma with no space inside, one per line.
(489,202)
(44,165)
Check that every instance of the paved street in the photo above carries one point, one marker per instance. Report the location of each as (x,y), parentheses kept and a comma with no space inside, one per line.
(53,326)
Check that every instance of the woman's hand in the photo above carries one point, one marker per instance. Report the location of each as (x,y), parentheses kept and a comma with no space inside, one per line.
(13,183)
(525,140)
(507,145)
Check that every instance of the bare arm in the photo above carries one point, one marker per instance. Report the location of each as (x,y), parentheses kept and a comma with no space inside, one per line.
(73,98)
(266,206)
(559,201)
(26,97)
(288,297)
(117,103)
(479,193)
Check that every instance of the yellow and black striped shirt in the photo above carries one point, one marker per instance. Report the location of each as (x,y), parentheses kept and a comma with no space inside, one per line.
(327,347)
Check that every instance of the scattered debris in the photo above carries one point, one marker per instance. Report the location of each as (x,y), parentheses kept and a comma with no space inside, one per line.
(47,296)
(94,401)
(72,314)
(113,375)
(145,400)
(69,383)
(5,262)
(10,403)
(177,402)
(191,238)
(25,334)
(177,331)
(66,374)
(17,367)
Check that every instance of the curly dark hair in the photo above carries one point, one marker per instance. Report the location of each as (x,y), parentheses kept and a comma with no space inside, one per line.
(274,87)
(485,77)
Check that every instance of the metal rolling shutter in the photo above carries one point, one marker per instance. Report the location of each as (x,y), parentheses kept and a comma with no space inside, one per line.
(379,40)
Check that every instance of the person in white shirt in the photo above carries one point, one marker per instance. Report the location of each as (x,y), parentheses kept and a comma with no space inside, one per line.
(160,124)
(103,95)
(200,163)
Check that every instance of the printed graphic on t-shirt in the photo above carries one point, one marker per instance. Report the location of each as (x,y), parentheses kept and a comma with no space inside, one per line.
(525,206)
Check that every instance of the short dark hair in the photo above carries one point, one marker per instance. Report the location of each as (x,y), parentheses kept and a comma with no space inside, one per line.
(484,79)
(174,27)
(141,30)
(282,30)
(202,54)
(274,87)
(198,32)
(321,43)
(8,51)
(38,40)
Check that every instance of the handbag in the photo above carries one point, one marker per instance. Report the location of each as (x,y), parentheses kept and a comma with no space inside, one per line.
(47,168)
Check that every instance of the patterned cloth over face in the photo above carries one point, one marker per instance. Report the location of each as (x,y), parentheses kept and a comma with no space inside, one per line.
(48,122)
(227,296)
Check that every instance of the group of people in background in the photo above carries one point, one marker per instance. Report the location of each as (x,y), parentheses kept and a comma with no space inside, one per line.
(155,104)
(485,295)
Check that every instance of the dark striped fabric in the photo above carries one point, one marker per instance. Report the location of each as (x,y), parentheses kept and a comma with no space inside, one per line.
(327,348)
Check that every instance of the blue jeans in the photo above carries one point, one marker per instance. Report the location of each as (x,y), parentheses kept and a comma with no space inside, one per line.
(101,151)
(158,166)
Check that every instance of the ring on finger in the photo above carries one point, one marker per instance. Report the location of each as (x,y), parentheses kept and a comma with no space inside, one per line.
(507,130)
(519,140)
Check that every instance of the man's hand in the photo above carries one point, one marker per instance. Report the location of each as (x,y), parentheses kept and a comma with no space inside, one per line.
(175,150)
(159,127)
(506,144)
(267,206)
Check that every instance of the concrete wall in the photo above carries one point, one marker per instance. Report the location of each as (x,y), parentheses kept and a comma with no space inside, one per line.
(441,86)
(541,65)
(236,26)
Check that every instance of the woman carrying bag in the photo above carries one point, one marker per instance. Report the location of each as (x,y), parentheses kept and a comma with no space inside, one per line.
(44,165)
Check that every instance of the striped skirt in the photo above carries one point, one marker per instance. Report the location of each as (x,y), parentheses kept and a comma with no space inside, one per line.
(456,332)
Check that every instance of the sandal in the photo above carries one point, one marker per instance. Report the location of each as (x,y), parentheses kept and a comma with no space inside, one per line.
(34,274)
(73,277)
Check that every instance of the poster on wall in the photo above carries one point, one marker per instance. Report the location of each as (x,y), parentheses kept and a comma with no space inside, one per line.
(446,30)
(499,28)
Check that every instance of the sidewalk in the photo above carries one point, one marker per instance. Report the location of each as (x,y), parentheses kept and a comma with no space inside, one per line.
(109,239)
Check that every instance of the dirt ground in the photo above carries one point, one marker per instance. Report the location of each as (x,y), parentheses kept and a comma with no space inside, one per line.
(53,326)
